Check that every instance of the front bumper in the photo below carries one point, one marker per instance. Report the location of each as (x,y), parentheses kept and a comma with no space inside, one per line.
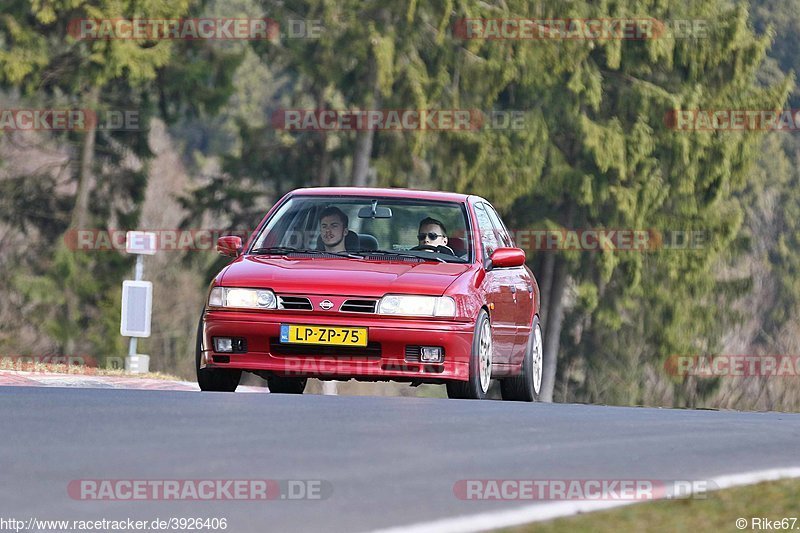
(386,359)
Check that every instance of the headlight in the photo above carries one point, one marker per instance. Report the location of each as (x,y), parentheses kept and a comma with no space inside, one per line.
(396,304)
(242,298)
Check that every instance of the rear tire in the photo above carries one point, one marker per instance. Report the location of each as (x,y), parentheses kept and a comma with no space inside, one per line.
(527,386)
(213,379)
(284,385)
(480,363)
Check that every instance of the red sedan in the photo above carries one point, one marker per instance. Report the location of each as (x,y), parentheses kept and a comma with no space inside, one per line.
(375,285)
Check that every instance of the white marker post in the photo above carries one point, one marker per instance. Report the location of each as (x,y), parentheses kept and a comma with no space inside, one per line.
(137,300)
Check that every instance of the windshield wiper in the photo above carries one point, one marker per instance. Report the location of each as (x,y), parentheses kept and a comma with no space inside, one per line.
(283,250)
(274,250)
(400,254)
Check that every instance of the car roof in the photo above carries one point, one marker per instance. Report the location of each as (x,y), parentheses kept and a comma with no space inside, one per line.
(389,193)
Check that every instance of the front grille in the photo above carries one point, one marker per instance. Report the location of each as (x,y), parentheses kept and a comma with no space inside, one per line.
(276,347)
(359,306)
(412,354)
(294,303)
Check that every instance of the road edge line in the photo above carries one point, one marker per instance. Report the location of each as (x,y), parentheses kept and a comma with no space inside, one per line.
(549,511)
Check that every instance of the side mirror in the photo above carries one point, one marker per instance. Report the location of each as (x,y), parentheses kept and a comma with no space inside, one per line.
(507,257)
(229,245)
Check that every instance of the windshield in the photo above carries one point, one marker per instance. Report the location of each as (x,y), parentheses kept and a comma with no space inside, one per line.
(346,226)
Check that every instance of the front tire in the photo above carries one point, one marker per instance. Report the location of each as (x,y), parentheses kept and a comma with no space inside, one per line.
(527,386)
(480,363)
(217,379)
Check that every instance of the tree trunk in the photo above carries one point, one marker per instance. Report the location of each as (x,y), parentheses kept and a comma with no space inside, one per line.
(552,334)
(361,157)
(80,211)
(323,174)
(325,161)
(554,314)
(546,282)
(364,139)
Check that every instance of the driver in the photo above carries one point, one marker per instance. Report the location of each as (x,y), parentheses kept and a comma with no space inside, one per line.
(433,233)
(333,229)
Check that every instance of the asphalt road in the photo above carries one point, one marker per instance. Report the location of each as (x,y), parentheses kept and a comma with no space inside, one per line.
(387,461)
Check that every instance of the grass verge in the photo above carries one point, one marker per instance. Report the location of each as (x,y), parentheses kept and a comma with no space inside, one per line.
(81,370)
(719,511)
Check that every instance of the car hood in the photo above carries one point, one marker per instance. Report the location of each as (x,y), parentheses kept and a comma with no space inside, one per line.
(349,277)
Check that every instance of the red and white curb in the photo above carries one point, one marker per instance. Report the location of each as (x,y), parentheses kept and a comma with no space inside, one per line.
(11,378)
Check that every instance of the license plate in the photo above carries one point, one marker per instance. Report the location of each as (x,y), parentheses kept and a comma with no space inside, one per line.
(331,335)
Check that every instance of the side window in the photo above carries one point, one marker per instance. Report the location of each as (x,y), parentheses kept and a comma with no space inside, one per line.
(486,230)
(505,238)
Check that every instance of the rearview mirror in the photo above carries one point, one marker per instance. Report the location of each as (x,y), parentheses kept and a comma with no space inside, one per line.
(229,245)
(375,212)
(507,257)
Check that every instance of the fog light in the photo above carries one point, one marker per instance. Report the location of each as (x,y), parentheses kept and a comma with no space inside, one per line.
(431,354)
(223,344)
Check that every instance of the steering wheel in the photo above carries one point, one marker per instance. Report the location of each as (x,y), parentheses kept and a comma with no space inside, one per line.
(436,249)
(425,248)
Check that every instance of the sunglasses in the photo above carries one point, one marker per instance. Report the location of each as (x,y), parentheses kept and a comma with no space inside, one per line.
(432,236)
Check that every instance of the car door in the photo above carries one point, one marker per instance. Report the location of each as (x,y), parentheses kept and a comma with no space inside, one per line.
(500,290)
(522,291)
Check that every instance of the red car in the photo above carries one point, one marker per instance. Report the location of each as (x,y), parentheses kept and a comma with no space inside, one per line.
(374,285)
